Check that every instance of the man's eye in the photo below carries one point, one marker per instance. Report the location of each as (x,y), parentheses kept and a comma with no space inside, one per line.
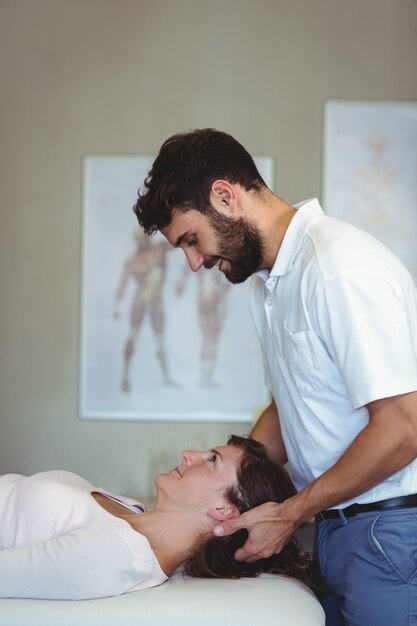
(192,241)
(213,458)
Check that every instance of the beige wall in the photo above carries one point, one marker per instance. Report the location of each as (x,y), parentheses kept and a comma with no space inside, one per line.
(118,77)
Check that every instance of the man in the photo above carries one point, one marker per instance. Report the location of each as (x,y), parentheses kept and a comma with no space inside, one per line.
(336,314)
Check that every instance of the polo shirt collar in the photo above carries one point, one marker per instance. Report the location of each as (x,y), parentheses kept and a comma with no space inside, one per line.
(307,212)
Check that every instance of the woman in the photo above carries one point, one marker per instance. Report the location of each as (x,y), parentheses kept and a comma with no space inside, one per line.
(62,538)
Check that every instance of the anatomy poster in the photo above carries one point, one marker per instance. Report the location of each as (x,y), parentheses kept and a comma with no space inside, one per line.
(370,171)
(157,340)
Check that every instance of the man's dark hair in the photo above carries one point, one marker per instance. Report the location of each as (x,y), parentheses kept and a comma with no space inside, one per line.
(184,171)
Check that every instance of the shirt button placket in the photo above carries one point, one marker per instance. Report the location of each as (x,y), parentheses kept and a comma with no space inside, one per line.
(269,287)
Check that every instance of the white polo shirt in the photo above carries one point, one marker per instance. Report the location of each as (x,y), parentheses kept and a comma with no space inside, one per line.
(337,321)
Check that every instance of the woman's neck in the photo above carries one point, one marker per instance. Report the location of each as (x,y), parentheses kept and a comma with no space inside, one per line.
(173,535)
(172,532)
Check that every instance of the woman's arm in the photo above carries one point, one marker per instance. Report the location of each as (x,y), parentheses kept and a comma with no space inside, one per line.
(80,565)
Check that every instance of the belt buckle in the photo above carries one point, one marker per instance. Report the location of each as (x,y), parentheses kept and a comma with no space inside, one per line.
(352,510)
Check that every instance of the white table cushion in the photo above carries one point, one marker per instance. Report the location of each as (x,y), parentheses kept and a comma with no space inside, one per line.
(268,600)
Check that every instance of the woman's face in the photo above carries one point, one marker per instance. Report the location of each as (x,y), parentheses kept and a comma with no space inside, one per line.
(200,480)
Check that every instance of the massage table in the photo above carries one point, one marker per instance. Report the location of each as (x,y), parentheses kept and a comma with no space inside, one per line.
(268,600)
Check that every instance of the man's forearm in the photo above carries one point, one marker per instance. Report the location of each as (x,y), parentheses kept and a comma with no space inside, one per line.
(385,446)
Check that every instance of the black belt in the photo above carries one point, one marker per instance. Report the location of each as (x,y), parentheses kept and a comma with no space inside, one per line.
(350,511)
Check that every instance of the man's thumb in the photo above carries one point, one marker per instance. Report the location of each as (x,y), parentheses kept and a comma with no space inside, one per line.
(226,528)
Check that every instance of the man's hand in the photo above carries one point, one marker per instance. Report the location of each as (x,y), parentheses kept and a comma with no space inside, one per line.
(269,531)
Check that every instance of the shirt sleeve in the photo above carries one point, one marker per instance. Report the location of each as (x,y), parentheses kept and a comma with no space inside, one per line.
(79,565)
(366,327)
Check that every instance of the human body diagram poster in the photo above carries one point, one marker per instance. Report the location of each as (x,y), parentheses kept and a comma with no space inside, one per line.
(158,341)
(370,171)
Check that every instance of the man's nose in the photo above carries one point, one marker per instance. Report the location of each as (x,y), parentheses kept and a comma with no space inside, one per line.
(194,258)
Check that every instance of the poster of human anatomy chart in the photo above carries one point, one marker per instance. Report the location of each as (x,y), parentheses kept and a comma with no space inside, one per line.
(370,171)
(158,341)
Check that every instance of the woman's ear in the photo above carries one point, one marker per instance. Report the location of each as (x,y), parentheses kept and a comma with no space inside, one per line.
(223,513)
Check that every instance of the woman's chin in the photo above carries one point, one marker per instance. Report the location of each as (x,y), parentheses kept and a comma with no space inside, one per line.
(158,480)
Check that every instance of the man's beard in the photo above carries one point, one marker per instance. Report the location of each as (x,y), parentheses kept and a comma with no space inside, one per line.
(240,243)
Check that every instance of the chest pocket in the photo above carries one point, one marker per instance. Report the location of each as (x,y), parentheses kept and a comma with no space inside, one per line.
(301,360)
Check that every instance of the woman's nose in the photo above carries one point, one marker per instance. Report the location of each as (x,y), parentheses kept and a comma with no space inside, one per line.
(186,457)
(191,456)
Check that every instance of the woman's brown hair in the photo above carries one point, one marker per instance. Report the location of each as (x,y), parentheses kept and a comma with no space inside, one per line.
(259,480)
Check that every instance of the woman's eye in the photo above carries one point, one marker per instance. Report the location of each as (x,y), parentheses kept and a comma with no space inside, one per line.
(192,241)
(212,459)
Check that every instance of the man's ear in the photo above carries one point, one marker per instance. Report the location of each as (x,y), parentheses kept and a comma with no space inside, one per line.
(223,197)
(223,513)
